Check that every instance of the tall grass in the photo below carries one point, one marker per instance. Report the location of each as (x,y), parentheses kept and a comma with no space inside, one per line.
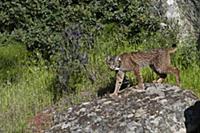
(25,88)
(190,78)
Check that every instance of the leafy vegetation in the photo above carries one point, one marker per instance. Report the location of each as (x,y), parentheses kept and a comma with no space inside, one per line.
(50,47)
(25,88)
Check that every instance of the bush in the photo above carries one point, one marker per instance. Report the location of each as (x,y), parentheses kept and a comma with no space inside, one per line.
(39,19)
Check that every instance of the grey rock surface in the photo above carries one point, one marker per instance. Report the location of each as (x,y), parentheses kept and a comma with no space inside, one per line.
(157,109)
(185,13)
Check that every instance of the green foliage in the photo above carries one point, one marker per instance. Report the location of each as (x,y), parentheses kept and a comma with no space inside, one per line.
(23,14)
(73,56)
(25,88)
(9,59)
(188,54)
(36,23)
(36,20)
(41,39)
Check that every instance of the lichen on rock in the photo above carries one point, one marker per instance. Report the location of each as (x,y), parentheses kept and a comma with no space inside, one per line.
(159,108)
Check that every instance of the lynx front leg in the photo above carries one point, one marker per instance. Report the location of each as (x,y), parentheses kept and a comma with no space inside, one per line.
(138,77)
(119,80)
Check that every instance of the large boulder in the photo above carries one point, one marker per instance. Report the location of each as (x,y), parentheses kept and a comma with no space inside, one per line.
(160,108)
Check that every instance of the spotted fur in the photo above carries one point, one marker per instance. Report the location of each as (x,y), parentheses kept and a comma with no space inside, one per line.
(157,59)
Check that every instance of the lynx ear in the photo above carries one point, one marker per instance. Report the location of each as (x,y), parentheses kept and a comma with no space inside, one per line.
(107,59)
(117,58)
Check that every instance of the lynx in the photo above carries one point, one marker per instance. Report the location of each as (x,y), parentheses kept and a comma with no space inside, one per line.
(157,59)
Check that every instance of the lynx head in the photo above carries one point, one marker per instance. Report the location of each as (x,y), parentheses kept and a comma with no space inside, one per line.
(113,62)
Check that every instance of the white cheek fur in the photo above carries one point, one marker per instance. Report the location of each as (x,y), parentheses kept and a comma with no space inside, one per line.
(117,68)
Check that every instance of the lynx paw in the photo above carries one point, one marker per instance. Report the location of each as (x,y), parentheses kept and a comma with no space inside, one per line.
(140,86)
(154,81)
(114,95)
(160,80)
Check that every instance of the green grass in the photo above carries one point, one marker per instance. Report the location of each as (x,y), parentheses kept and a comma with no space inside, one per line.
(190,79)
(24,88)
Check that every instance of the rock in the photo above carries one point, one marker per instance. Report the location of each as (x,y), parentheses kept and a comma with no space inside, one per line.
(185,13)
(192,116)
(161,108)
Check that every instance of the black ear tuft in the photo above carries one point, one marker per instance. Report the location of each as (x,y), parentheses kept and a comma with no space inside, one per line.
(107,59)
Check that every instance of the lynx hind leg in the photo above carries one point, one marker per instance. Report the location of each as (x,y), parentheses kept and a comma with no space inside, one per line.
(138,77)
(119,80)
(161,75)
(162,71)
(175,71)
(161,78)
